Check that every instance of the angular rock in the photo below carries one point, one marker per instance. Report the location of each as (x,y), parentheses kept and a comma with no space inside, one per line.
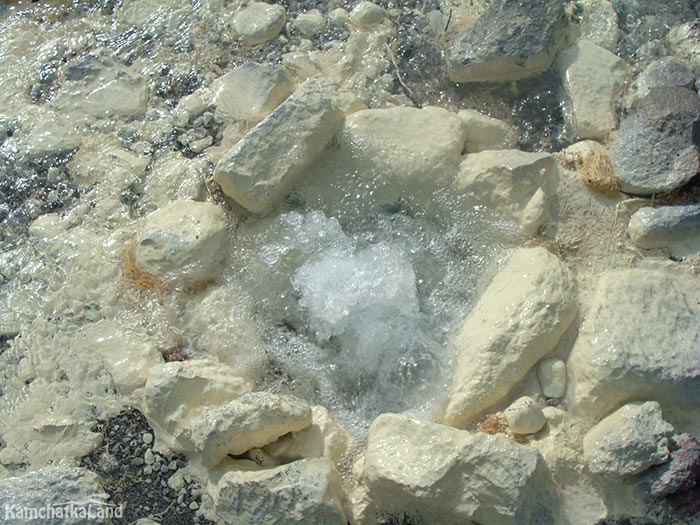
(440,475)
(177,393)
(552,376)
(126,352)
(592,77)
(599,23)
(524,416)
(656,150)
(511,40)
(51,136)
(409,149)
(303,492)
(629,441)
(514,184)
(662,227)
(120,97)
(48,487)
(257,171)
(682,472)
(259,22)
(251,421)
(639,339)
(665,72)
(518,320)
(182,242)
(486,133)
(251,91)
(324,438)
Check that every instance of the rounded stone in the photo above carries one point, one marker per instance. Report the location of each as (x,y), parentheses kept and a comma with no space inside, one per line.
(524,416)
(552,376)
(338,17)
(367,15)
(310,23)
(259,22)
(182,241)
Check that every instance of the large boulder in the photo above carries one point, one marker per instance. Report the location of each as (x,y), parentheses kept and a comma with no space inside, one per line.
(250,421)
(656,150)
(303,492)
(518,320)
(512,39)
(269,159)
(177,393)
(411,147)
(440,475)
(592,77)
(515,184)
(640,338)
(182,242)
(628,441)
(54,488)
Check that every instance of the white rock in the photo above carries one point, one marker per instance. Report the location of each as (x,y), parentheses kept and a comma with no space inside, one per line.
(324,438)
(47,487)
(367,15)
(639,339)
(441,475)
(251,421)
(309,24)
(518,320)
(259,22)
(629,441)
(486,133)
(218,324)
(514,184)
(184,241)
(50,137)
(258,170)
(406,147)
(303,492)
(177,393)
(599,23)
(593,77)
(117,98)
(338,17)
(126,352)
(524,416)
(251,91)
(552,376)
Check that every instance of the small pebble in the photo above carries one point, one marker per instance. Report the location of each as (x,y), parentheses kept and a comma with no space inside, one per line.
(194,505)
(172,465)
(137,462)
(147,438)
(148,457)
(148,470)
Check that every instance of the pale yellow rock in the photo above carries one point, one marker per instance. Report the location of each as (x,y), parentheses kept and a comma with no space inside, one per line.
(515,184)
(518,320)
(524,416)
(486,133)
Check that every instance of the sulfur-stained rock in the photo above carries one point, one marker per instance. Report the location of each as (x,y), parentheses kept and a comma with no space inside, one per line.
(440,475)
(176,393)
(269,159)
(250,421)
(518,320)
(512,183)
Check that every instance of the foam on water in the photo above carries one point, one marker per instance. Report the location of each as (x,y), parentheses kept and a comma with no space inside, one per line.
(356,293)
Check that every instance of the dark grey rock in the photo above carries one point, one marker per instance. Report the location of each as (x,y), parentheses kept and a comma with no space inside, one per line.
(660,227)
(682,472)
(512,39)
(665,72)
(656,150)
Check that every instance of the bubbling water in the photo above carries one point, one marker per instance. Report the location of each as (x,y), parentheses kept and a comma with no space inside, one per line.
(356,294)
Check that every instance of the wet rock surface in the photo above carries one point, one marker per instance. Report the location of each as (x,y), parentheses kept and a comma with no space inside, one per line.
(667,120)
(661,227)
(511,40)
